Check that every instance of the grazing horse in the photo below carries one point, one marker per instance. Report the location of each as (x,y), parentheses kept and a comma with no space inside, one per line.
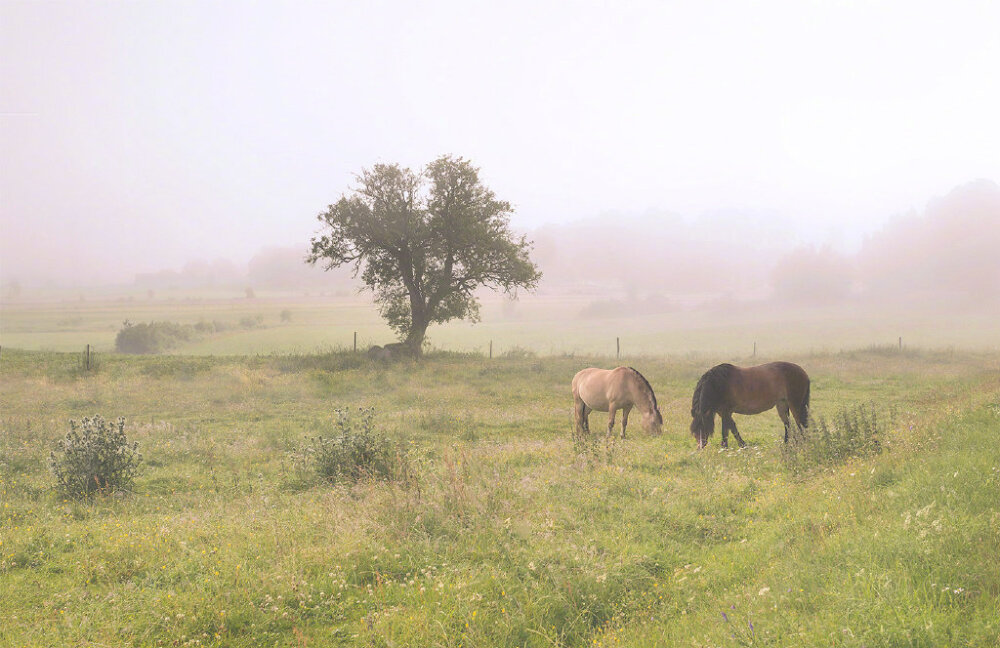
(610,390)
(726,390)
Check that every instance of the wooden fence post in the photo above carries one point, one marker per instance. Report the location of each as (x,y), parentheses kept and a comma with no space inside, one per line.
(88,357)
(491,349)
(355,341)
(618,348)
(755,348)
(900,342)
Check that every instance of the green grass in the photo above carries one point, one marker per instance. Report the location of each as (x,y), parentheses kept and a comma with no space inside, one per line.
(508,537)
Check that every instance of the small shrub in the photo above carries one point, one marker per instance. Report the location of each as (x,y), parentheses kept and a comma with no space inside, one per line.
(356,451)
(95,456)
(286,315)
(256,321)
(852,432)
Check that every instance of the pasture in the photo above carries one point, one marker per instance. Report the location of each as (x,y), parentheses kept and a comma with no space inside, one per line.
(511,533)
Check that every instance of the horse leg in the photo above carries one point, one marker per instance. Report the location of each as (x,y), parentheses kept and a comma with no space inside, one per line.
(783,413)
(580,412)
(736,433)
(611,420)
(586,418)
(726,418)
(625,419)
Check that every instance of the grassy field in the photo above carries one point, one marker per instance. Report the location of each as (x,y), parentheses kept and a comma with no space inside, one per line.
(510,534)
(546,324)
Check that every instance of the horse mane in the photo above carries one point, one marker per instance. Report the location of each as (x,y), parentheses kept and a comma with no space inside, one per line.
(711,386)
(649,389)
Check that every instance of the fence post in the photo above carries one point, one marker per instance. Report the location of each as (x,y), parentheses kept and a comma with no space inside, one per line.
(900,342)
(618,348)
(355,341)
(88,357)
(491,349)
(755,348)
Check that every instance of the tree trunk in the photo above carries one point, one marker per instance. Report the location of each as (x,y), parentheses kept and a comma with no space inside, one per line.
(415,338)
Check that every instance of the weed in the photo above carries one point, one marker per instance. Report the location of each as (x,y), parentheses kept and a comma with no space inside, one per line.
(355,452)
(853,431)
(95,457)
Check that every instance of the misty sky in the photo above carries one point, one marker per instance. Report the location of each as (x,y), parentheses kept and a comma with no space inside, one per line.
(139,136)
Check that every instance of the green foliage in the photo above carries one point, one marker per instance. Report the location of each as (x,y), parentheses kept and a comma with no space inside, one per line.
(286,315)
(154,337)
(356,451)
(95,456)
(208,328)
(855,431)
(424,242)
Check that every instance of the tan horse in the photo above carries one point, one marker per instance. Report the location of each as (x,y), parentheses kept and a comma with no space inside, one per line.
(610,390)
(726,390)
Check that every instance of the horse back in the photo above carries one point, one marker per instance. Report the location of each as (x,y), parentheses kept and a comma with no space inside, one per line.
(796,380)
(752,390)
(598,387)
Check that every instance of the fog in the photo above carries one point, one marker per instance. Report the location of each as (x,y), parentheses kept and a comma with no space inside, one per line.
(669,155)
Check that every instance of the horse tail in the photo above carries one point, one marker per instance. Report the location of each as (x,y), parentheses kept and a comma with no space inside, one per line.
(803,413)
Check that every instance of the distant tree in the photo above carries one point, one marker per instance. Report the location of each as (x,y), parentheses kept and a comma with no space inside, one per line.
(423,242)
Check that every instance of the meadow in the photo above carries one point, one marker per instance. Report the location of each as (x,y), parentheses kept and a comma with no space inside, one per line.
(546,323)
(510,532)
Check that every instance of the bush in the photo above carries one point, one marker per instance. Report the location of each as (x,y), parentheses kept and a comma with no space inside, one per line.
(209,328)
(95,457)
(356,451)
(151,338)
(248,322)
(853,432)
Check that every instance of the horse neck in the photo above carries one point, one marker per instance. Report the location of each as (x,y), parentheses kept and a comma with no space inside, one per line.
(643,393)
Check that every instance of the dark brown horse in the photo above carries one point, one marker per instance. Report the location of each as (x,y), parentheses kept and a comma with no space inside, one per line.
(726,390)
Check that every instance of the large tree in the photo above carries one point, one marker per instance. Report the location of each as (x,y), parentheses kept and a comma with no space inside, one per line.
(423,242)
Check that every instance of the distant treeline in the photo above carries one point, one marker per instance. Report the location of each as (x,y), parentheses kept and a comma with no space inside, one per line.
(947,253)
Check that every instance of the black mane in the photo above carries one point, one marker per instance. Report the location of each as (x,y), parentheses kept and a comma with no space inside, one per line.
(652,394)
(710,389)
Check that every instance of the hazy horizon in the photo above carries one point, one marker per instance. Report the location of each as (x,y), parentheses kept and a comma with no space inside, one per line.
(142,137)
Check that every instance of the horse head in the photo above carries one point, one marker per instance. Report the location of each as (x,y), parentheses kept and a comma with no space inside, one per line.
(652,422)
(702,426)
